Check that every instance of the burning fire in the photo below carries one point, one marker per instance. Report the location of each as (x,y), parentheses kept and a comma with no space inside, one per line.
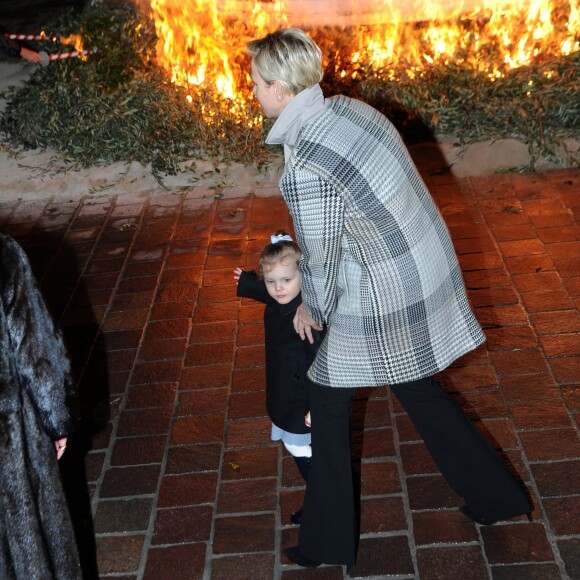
(75,40)
(201,46)
(203,42)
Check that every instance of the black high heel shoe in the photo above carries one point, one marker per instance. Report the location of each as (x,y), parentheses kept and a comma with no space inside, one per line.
(484,521)
(296,517)
(481,521)
(293,554)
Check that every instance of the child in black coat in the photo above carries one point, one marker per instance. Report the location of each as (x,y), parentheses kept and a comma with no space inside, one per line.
(288,357)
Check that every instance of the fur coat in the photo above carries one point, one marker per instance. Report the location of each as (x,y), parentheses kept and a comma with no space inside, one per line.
(37,406)
(378,267)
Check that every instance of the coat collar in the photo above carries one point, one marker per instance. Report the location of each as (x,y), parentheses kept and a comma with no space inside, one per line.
(303,108)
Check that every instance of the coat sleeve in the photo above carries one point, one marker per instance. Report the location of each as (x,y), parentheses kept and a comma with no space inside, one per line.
(8,46)
(250,285)
(41,360)
(317,210)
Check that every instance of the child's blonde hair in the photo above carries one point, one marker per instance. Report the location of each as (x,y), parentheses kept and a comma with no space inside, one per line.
(276,252)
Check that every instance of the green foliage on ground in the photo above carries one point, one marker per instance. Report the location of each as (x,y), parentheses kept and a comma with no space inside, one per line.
(119,105)
(537,104)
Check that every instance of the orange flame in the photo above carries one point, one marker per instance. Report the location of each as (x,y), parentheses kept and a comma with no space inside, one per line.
(202,46)
(75,40)
(203,42)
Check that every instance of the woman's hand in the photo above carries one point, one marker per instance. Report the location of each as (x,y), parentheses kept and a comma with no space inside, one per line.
(304,323)
(60,445)
(237,273)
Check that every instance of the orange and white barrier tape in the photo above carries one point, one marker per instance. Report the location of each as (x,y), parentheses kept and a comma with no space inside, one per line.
(26,36)
(46,58)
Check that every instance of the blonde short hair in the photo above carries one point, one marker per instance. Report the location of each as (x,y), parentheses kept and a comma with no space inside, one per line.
(289,56)
(279,253)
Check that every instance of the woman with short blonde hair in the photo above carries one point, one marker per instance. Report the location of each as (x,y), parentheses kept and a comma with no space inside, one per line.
(289,56)
(380,273)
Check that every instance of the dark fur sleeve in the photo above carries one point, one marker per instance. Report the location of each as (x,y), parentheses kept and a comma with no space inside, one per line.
(41,361)
(8,46)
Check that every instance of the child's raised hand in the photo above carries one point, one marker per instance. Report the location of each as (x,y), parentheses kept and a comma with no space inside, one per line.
(237,273)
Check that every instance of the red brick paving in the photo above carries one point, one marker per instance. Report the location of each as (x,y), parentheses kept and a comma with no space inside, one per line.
(174,475)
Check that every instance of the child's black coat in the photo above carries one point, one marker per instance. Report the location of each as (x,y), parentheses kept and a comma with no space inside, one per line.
(288,357)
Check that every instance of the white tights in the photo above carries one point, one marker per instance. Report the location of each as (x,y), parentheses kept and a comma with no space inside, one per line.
(298,450)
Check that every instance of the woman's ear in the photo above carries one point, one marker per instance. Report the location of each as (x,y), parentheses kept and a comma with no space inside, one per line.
(278,90)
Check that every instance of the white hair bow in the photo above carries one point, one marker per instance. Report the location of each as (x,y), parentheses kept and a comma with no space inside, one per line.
(282,238)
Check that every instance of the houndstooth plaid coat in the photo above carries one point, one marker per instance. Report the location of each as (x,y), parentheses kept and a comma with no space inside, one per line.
(378,264)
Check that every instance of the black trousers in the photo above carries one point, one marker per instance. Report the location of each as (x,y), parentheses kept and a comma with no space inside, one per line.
(469,463)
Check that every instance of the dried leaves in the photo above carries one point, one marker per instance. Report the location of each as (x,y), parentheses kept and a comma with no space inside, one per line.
(538,104)
(118,105)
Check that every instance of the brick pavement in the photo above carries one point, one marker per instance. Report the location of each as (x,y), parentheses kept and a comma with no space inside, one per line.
(173,475)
